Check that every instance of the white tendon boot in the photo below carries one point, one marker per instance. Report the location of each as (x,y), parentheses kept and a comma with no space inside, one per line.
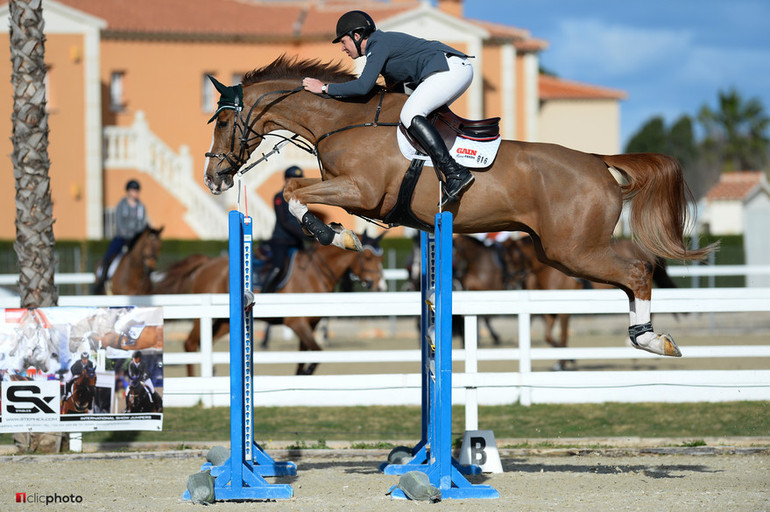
(642,336)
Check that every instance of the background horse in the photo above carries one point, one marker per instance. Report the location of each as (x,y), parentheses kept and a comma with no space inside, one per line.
(313,271)
(138,398)
(567,200)
(132,274)
(82,397)
(539,276)
(477,266)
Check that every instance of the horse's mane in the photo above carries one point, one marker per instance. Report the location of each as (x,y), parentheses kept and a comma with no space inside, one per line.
(147,229)
(293,67)
(178,271)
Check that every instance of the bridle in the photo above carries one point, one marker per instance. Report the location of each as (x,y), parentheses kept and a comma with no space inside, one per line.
(329,274)
(248,135)
(365,283)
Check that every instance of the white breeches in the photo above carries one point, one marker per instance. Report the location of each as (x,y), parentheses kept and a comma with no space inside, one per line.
(438,89)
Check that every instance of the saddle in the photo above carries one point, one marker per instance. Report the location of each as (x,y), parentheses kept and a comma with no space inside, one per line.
(269,279)
(472,143)
(484,129)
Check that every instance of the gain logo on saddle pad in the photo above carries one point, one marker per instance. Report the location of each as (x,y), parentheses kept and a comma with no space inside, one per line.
(472,153)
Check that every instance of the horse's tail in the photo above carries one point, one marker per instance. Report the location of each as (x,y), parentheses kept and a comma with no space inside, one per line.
(658,197)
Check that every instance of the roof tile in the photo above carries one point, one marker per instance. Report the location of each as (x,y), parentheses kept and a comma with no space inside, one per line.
(734,186)
(553,88)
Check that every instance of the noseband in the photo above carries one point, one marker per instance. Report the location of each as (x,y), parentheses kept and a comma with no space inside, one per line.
(248,135)
(366,283)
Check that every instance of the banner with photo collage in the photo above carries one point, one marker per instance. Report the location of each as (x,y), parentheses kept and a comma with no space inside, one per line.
(79,369)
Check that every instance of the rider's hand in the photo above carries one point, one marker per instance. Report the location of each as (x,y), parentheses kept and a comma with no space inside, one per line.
(312,85)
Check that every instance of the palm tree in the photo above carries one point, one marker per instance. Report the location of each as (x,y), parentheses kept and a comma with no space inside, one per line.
(736,134)
(34,209)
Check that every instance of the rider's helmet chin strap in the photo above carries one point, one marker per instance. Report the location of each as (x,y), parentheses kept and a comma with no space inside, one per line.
(357,43)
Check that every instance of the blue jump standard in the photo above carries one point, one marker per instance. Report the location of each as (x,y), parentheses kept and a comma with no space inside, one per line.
(433,454)
(241,476)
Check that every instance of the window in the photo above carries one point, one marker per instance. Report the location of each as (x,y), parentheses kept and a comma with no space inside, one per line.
(117,82)
(207,93)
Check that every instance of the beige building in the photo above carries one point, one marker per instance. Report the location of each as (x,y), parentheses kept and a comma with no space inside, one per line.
(579,116)
(128,98)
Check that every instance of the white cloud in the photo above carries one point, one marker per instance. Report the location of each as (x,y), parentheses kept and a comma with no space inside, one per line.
(613,50)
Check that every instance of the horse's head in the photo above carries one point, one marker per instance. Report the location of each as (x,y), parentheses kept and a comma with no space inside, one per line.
(519,264)
(148,243)
(247,112)
(367,268)
(231,145)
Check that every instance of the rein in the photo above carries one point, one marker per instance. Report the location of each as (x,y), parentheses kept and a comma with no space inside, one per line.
(246,130)
(374,124)
(328,272)
(244,126)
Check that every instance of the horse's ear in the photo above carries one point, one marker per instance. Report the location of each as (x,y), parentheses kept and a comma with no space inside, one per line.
(222,88)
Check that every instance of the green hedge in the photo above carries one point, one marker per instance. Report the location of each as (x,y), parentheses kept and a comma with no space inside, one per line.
(83,256)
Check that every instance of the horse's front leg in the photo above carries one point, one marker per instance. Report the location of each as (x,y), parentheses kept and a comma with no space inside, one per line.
(335,192)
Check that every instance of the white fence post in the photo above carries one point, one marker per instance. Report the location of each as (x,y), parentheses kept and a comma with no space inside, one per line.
(525,358)
(471,372)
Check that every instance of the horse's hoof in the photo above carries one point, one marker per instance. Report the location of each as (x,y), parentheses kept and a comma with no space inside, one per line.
(348,240)
(661,344)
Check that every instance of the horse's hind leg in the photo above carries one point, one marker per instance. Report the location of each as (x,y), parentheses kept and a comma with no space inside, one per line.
(304,330)
(601,264)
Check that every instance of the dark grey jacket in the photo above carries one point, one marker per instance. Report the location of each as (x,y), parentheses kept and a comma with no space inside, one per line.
(129,220)
(399,58)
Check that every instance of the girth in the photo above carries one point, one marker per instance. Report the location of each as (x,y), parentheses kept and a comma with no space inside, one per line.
(401,214)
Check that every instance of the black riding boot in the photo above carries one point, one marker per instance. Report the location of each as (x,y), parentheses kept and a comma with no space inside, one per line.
(457,178)
(271,281)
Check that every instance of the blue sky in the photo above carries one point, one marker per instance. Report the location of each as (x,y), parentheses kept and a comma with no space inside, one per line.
(670,56)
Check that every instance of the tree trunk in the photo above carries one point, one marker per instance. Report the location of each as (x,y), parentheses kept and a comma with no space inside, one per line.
(34,209)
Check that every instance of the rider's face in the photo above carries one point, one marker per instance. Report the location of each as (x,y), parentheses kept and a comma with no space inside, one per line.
(349,47)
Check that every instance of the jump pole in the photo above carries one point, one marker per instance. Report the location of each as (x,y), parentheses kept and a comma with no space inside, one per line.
(241,476)
(433,454)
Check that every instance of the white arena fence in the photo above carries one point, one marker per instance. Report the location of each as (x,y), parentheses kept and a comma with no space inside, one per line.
(470,387)
(398,274)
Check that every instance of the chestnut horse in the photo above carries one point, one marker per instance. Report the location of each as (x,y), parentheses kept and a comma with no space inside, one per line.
(478,266)
(82,397)
(539,276)
(317,270)
(132,274)
(567,200)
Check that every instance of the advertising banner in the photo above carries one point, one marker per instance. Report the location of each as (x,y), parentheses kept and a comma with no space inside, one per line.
(78,369)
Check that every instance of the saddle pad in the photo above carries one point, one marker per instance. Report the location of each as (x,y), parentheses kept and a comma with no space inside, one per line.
(475,154)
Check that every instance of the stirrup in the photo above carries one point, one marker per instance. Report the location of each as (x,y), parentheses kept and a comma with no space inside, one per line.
(447,197)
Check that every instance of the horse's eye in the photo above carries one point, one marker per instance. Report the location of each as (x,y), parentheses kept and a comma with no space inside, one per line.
(221,124)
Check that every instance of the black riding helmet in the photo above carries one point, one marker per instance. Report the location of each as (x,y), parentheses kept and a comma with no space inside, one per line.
(293,172)
(355,21)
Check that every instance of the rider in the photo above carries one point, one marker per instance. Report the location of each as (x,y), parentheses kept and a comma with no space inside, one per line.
(130,220)
(436,75)
(137,371)
(287,234)
(82,364)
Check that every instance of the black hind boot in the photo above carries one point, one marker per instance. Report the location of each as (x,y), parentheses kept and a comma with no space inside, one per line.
(457,178)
